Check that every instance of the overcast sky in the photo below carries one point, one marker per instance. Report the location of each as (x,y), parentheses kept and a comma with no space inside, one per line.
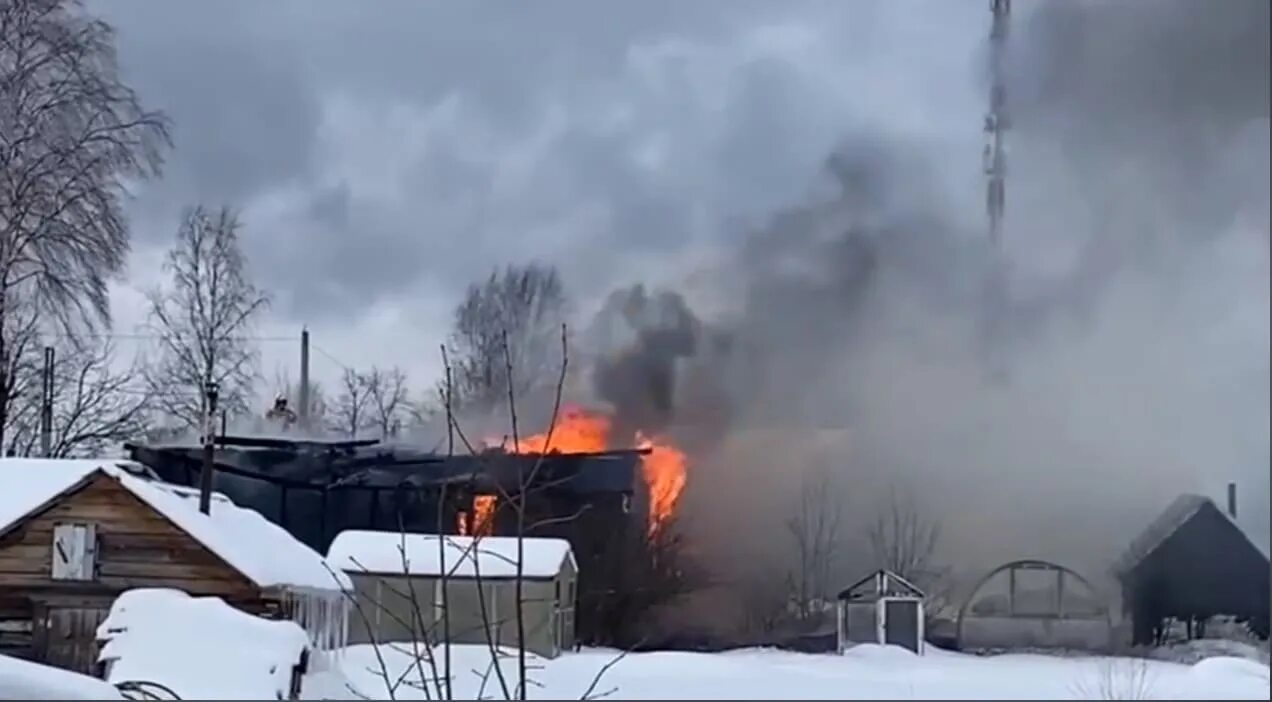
(385,157)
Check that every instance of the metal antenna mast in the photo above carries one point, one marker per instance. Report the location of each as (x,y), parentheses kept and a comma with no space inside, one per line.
(995,165)
(996,121)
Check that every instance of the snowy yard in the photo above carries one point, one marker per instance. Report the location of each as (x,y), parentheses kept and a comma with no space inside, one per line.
(867,672)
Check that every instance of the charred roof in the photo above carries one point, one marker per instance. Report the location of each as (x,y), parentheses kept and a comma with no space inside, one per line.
(316,464)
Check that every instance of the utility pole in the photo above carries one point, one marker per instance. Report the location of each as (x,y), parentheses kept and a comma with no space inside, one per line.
(209,437)
(997,122)
(303,411)
(46,405)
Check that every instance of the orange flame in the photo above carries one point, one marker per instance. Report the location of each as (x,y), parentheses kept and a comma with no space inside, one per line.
(484,514)
(664,471)
(664,468)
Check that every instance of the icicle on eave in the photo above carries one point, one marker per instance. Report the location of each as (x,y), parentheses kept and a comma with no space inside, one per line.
(322,614)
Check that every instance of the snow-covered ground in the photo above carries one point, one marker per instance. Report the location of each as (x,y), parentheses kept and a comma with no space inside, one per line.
(23,680)
(866,672)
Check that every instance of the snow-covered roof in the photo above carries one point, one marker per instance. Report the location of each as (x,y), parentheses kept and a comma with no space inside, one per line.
(1167,523)
(496,556)
(259,549)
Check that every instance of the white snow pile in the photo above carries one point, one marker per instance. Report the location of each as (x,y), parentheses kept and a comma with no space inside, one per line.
(864,672)
(199,647)
(1198,650)
(24,680)
(256,547)
(381,552)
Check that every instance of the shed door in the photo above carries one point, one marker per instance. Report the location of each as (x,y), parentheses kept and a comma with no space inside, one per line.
(901,623)
(66,637)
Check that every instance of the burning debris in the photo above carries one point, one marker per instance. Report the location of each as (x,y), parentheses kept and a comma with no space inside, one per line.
(582,431)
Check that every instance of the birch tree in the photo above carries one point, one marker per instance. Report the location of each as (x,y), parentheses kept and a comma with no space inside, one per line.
(72,134)
(203,320)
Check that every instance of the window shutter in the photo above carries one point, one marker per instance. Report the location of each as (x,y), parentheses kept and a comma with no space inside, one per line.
(74,552)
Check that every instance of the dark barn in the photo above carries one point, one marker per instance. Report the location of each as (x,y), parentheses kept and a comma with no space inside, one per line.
(316,489)
(1193,563)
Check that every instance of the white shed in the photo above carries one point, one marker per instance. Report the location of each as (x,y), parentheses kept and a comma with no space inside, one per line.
(882,608)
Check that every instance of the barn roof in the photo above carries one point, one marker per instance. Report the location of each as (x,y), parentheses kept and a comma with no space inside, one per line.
(381,552)
(258,549)
(1177,514)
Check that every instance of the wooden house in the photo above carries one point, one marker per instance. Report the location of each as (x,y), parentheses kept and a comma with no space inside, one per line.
(75,534)
(398,581)
(1192,563)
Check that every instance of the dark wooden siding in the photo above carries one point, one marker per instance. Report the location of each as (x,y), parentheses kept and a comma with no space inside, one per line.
(1206,567)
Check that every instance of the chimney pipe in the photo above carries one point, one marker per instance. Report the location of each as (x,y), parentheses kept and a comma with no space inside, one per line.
(1232,500)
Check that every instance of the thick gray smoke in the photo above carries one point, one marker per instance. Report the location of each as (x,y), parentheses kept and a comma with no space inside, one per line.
(1135,313)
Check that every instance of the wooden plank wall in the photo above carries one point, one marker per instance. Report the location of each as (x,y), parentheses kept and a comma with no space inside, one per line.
(137,547)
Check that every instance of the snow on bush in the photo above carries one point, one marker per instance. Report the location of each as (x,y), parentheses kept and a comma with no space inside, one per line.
(199,647)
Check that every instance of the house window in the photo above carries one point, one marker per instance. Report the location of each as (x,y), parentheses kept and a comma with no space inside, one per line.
(74,552)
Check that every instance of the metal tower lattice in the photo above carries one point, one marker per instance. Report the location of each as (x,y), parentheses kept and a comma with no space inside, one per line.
(996,121)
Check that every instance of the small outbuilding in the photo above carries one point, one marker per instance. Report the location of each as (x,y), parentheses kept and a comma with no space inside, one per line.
(76,534)
(399,595)
(882,608)
(1192,563)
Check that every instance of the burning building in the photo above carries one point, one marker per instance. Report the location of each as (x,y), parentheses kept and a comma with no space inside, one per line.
(574,486)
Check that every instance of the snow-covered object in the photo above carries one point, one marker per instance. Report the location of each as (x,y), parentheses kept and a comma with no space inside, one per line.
(465,556)
(259,549)
(199,647)
(868,672)
(24,680)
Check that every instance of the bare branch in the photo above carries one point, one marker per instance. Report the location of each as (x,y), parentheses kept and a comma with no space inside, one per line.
(202,317)
(388,400)
(514,313)
(814,526)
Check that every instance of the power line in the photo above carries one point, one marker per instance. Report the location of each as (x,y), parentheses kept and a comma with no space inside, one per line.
(114,336)
(330,356)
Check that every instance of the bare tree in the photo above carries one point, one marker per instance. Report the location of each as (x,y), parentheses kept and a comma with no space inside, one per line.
(902,540)
(95,405)
(348,413)
(202,319)
(387,399)
(72,134)
(906,542)
(814,526)
(520,309)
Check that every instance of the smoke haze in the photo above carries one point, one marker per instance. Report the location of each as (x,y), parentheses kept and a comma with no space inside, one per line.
(1135,330)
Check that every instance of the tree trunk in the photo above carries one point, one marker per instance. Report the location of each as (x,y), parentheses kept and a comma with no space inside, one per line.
(4,398)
